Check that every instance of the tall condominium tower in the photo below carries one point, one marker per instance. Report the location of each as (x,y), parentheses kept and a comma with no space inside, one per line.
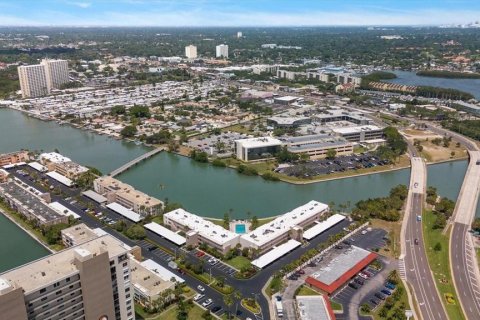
(191,52)
(88,281)
(222,51)
(38,80)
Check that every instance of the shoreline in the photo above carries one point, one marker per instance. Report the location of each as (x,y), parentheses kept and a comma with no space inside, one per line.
(31,234)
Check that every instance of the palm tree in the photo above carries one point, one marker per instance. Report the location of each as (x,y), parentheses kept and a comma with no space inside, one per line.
(228,300)
(238,297)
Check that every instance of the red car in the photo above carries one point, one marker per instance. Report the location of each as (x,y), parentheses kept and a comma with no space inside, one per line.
(301,271)
(200,254)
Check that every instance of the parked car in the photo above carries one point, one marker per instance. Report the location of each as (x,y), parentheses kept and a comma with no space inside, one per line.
(151,248)
(301,271)
(386,292)
(374,301)
(359,281)
(416,241)
(390,286)
(207,302)
(368,273)
(198,296)
(216,309)
(353,285)
(200,254)
(379,296)
(363,275)
(201,288)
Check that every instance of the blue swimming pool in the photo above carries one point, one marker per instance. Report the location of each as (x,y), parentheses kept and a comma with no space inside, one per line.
(240,228)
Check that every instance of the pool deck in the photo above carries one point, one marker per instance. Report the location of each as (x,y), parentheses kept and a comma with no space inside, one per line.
(234,223)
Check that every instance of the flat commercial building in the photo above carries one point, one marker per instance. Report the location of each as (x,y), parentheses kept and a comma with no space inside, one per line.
(336,115)
(191,52)
(314,308)
(30,203)
(360,133)
(318,145)
(287,226)
(62,165)
(33,81)
(337,269)
(38,80)
(288,122)
(255,149)
(221,51)
(285,100)
(89,281)
(124,194)
(13,157)
(199,230)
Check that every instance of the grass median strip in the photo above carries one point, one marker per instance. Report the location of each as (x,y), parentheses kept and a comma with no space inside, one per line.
(437,248)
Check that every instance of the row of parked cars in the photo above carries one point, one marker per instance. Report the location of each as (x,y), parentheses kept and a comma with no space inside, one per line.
(383,293)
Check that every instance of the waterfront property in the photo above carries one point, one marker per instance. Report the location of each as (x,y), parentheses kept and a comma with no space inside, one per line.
(89,281)
(125,195)
(31,203)
(79,234)
(287,226)
(62,165)
(198,230)
(317,146)
(13,158)
(254,149)
(360,133)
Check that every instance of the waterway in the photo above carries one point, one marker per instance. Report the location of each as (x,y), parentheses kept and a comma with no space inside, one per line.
(410,78)
(200,188)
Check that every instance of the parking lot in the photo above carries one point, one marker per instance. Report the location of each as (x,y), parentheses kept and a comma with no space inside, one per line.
(328,166)
(212,262)
(211,144)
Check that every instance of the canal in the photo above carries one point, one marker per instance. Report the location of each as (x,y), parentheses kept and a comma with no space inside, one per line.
(200,188)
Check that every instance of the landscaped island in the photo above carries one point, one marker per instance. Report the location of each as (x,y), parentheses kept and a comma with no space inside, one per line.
(448,74)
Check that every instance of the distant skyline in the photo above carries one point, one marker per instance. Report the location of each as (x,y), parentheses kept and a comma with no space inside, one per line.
(236,13)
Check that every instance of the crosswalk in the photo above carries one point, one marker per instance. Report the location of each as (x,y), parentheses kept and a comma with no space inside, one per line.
(401,269)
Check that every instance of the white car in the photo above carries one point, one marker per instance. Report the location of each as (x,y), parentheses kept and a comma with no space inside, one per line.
(207,302)
(198,296)
(200,288)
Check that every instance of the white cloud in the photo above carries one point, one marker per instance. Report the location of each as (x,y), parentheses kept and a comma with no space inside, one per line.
(82,5)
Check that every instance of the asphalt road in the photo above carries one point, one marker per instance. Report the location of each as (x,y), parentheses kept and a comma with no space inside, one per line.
(416,263)
(246,287)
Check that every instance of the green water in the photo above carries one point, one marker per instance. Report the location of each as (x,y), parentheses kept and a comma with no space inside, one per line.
(16,246)
(200,188)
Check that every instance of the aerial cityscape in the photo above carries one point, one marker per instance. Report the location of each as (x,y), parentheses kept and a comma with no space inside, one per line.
(239,160)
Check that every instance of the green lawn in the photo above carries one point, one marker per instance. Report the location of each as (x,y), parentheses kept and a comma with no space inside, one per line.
(306,291)
(239,262)
(170,314)
(439,264)
(336,306)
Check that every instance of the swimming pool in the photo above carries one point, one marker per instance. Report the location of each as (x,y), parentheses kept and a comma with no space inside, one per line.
(240,228)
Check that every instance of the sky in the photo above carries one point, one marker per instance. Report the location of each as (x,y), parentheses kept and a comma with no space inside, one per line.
(236,12)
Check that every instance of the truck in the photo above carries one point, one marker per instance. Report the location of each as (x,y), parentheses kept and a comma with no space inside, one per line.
(279,307)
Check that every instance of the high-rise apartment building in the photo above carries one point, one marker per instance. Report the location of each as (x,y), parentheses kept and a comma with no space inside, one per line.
(239,34)
(222,51)
(191,52)
(89,281)
(38,80)
(56,72)
(33,81)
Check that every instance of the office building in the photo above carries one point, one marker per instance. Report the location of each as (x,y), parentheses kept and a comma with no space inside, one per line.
(288,122)
(33,81)
(56,72)
(222,51)
(360,133)
(13,158)
(89,281)
(198,230)
(317,146)
(239,34)
(125,195)
(39,80)
(287,226)
(256,149)
(191,52)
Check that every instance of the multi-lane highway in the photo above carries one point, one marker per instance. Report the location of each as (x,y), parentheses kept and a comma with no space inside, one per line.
(417,269)
(462,255)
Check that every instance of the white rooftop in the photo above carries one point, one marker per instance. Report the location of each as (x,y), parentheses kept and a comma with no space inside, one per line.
(323,226)
(54,157)
(60,178)
(127,213)
(37,166)
(287,98)
(64,211)
(313,308)
(284,223)
(356,129)
(166,233)
(204,227)
(94,196)
(275,253)
(162,272)
(259,142)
